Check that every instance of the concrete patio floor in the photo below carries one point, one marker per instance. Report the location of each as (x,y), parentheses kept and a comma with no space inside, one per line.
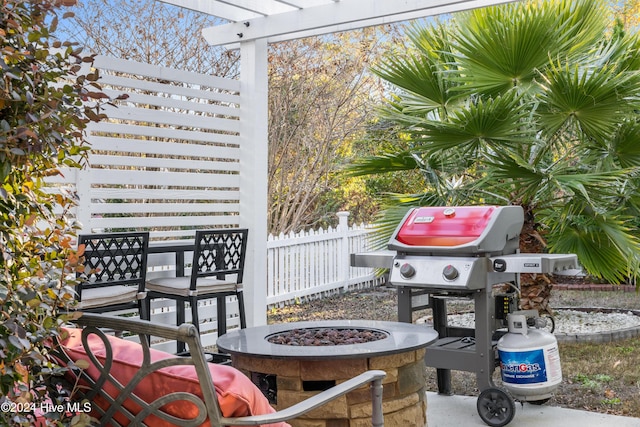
(460,411)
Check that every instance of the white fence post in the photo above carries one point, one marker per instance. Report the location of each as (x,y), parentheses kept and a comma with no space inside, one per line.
(343,254)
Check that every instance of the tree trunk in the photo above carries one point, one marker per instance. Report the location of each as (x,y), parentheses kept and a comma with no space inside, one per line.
(535,289)
(535,292)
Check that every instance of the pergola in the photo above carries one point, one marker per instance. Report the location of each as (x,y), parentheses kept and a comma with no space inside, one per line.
(252,25)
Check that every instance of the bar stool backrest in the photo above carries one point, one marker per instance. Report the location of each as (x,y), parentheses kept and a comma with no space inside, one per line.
(112,259)
(219,253)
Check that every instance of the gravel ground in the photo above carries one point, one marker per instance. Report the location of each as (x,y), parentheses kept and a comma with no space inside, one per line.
(380,304)
(571,321)
(615,299)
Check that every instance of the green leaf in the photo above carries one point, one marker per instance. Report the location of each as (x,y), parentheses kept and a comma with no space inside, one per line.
(599,241)
(385,163)
(490,123)
(594,99)
(500,46)
(625,146)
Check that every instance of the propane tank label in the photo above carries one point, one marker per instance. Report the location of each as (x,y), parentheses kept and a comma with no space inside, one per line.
(523,367)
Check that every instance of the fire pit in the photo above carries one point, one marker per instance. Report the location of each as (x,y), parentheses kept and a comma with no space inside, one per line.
(292,361)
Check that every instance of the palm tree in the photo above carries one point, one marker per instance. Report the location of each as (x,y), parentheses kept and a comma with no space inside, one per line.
(530,103)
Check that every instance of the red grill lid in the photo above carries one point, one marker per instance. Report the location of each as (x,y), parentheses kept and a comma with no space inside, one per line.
(444,226)
(459,230)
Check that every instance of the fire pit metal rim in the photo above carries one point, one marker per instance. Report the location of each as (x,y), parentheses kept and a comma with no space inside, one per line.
(401,337)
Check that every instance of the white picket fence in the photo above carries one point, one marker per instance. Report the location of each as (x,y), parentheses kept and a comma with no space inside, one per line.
(317,262)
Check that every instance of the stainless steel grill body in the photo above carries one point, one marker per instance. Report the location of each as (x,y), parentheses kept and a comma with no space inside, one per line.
(437,254)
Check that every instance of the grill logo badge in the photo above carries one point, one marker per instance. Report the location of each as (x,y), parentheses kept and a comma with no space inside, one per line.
(423,220)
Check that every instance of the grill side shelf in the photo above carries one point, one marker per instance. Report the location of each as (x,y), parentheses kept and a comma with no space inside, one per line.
(374,259)
(535,263)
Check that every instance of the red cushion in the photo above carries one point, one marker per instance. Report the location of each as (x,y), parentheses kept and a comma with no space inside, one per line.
(237,395)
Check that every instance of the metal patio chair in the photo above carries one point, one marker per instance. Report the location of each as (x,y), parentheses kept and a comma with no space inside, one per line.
(216,272)
(115,268)
(118,377)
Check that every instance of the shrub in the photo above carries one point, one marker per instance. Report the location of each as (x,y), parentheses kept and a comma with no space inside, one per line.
(48,94)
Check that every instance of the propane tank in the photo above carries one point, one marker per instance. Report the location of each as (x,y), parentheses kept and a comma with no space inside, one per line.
(529,359)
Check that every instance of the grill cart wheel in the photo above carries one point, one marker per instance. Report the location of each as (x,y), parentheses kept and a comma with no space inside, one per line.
(496,407)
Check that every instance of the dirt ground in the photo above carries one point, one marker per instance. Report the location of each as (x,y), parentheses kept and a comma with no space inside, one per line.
(596,377)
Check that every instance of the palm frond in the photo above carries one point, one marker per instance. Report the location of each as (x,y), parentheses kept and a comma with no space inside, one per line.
(581,24)
(434,42)
(501,52)
(595,99)
(504,46)
(625,145)
(628,198)
(493,122)
(506,172)
(595,186)
(627,52)
(549,183)
(601,242)
(416,75)
(383,163)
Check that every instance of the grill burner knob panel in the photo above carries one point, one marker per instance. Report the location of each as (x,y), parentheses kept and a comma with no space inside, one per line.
(450,272)
(470,272)
(407,271)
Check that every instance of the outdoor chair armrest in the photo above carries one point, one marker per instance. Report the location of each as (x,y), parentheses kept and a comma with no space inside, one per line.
(137,326)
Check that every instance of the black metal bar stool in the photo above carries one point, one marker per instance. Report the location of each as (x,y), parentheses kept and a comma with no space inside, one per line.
(114,274)
(217,269)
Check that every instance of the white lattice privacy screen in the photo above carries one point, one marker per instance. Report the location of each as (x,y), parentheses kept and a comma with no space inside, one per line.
(167,159)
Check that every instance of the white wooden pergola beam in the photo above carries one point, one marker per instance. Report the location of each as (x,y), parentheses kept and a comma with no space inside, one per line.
(301,4)
(240,10)
(334,17)
(264,7)
(441,10)
(254,174)
(216,8)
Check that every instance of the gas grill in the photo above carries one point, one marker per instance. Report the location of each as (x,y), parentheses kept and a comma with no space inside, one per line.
(437,254)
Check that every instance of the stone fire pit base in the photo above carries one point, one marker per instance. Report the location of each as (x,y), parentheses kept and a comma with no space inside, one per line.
(288,374)
(404,388)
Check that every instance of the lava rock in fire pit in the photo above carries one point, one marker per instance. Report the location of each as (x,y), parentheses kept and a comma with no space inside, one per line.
(326,336)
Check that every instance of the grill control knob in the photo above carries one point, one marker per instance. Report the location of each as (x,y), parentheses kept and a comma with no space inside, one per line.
(407,271)
(450,272)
